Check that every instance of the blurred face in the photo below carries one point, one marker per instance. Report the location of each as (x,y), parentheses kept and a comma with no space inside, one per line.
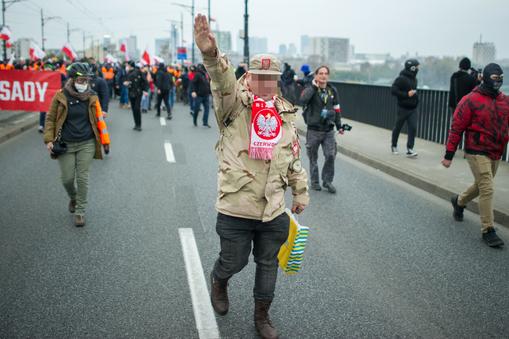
(262,85)
(322,75)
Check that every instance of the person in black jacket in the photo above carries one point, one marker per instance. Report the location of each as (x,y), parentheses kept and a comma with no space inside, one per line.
(100,87)
(462,83)
(404,89)
(138,86)
(200,88)
(164,84)
(321,113)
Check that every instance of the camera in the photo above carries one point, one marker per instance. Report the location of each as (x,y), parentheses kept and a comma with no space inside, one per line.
(346,127)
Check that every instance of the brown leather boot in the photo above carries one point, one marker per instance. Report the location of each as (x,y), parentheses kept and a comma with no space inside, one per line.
(262,321)
(72,205)
(219,295)
(79,220)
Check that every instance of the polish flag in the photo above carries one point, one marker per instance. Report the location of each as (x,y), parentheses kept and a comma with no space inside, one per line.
(8,44)
(146,59)
(5,34)
(123,48)
(35,52)
(69,52)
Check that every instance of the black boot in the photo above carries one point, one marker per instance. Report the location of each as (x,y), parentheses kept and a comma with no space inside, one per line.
(219,295)
(457,209)
(262,321)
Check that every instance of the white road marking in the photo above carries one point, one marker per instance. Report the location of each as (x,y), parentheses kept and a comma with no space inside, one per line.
(163,121)
(202,308)
(170,157)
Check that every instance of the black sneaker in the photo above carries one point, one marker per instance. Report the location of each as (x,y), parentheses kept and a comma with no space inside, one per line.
(316,186)
(410,153)
(458,210)
(491,238)
(330,188)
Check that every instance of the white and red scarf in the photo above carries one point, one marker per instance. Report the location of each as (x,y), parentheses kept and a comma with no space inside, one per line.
(266,129)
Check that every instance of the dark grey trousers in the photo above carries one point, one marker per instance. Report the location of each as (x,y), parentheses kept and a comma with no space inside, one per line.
(238,236)
(410,116)
(328,141)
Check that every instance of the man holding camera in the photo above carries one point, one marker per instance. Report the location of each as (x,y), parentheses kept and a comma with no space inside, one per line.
(321,113)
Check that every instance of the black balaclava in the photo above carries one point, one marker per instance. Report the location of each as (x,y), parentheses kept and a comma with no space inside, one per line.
(411,66)
(488,85)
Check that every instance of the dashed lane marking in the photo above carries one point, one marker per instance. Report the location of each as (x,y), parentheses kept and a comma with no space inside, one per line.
(163,121)
(203,312)
(170,157)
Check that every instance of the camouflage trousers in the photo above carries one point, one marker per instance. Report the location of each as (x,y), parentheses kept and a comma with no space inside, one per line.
(328,142)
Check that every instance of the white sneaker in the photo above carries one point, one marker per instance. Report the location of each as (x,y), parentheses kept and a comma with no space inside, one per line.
(394,150)
(411,153)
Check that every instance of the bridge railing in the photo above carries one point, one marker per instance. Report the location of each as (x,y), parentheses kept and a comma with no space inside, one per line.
(375,105)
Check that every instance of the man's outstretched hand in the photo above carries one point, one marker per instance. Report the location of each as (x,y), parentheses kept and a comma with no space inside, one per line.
(203,36)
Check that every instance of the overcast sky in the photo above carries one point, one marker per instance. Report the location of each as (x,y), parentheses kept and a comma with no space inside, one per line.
(431,27)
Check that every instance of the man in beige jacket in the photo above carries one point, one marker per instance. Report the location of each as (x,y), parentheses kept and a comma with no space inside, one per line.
(259,157)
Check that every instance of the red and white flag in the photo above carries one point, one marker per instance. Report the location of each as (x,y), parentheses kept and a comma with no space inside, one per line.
(5,34)
(35,52)
(146,58)
(69,52)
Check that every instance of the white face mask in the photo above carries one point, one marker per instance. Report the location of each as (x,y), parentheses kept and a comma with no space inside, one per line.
(81,87)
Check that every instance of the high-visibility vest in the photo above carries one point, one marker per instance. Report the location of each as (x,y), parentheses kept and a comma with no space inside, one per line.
(2,67)
(108,73)
(9,67)
(63,70)
(101,124)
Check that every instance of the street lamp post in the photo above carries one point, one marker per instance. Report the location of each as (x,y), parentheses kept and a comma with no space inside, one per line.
(246,35)
(5,5)
(69,31)
(43,22)
(192,7)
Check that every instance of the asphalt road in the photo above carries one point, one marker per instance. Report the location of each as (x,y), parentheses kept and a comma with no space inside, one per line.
(383,260)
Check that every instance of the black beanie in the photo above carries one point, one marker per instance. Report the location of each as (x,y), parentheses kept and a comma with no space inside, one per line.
(465,64)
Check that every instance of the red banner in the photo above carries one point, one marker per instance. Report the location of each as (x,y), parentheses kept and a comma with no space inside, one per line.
(28,90)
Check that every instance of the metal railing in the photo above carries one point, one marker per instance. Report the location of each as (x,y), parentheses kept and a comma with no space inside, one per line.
(376,106)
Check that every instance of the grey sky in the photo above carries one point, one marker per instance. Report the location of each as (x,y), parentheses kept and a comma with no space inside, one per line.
(431,27)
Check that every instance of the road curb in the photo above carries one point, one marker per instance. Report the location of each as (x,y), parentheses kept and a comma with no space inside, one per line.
(18,129)
(501,217)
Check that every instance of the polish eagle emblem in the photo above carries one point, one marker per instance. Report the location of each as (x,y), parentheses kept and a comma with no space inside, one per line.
(267,125)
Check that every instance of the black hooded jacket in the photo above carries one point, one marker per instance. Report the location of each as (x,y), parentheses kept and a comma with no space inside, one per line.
(462,83)
(400,88)
(163,80)
(200,84)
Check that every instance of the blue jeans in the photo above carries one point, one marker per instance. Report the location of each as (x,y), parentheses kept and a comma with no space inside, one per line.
(191,100)
(198,101)
(238,236)
(124,98)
